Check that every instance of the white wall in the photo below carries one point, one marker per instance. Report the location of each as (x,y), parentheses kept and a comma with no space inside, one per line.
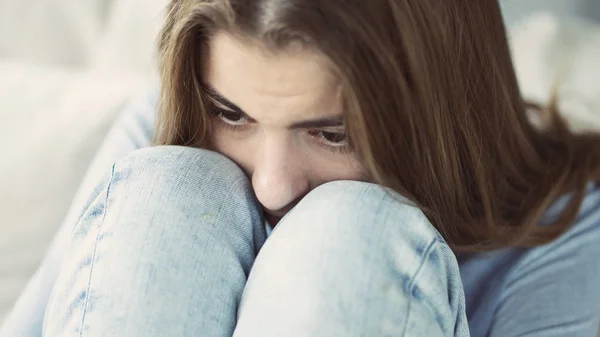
(517,9)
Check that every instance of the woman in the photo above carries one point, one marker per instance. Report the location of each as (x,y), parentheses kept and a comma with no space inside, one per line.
(387,144)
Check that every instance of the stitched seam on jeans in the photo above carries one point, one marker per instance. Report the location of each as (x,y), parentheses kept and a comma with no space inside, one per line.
(413,283)
(87,291)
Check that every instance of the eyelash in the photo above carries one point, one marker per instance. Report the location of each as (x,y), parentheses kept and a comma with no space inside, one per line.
(218,113)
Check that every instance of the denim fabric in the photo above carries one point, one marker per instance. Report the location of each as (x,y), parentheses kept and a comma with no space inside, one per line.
(169,237)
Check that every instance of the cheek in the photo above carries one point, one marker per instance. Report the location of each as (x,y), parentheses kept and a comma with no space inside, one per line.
(238,151)
(346,168)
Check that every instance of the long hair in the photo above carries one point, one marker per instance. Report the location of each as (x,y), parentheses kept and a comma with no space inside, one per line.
(432,107)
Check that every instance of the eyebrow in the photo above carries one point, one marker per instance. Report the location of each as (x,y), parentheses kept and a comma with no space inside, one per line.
(325,122)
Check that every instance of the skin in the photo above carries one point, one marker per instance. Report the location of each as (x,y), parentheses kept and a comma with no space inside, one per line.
(279,116)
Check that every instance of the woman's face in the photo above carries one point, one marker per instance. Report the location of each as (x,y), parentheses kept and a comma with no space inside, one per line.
(278,116)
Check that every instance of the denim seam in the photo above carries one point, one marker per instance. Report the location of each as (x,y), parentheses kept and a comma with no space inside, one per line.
(87,291)
(413,283)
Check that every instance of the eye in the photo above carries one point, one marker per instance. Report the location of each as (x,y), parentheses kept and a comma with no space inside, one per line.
(330,138)
(231,117)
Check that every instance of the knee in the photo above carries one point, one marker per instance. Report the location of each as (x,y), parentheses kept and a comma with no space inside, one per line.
(351,211)
(347,243)
(174,166)
(174,229)
(353,226)
(171,189)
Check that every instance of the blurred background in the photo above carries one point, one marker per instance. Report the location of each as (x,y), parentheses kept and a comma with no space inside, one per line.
(515,10)
(67,67)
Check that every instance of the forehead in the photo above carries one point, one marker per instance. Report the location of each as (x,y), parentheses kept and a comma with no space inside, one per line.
(293,84)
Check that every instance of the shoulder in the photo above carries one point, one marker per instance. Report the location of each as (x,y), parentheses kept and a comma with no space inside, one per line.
(585,231)
(576,251)
(579,246)
(513,290)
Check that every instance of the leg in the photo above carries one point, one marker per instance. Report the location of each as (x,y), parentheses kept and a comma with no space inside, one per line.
(163,249)
(131,131)
(353,260)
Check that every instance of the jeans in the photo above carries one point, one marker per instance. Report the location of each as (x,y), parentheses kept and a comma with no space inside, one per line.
(171,242)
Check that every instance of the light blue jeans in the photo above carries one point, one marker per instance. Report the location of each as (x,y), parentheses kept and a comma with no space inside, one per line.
(171,242)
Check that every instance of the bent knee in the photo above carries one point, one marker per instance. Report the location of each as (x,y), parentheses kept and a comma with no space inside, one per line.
(352,208)
(161,162)
(171,187)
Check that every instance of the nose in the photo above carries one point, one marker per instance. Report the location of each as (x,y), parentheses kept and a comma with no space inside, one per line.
(278,178)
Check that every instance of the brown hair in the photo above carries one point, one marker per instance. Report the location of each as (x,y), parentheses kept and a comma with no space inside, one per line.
(433,108)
